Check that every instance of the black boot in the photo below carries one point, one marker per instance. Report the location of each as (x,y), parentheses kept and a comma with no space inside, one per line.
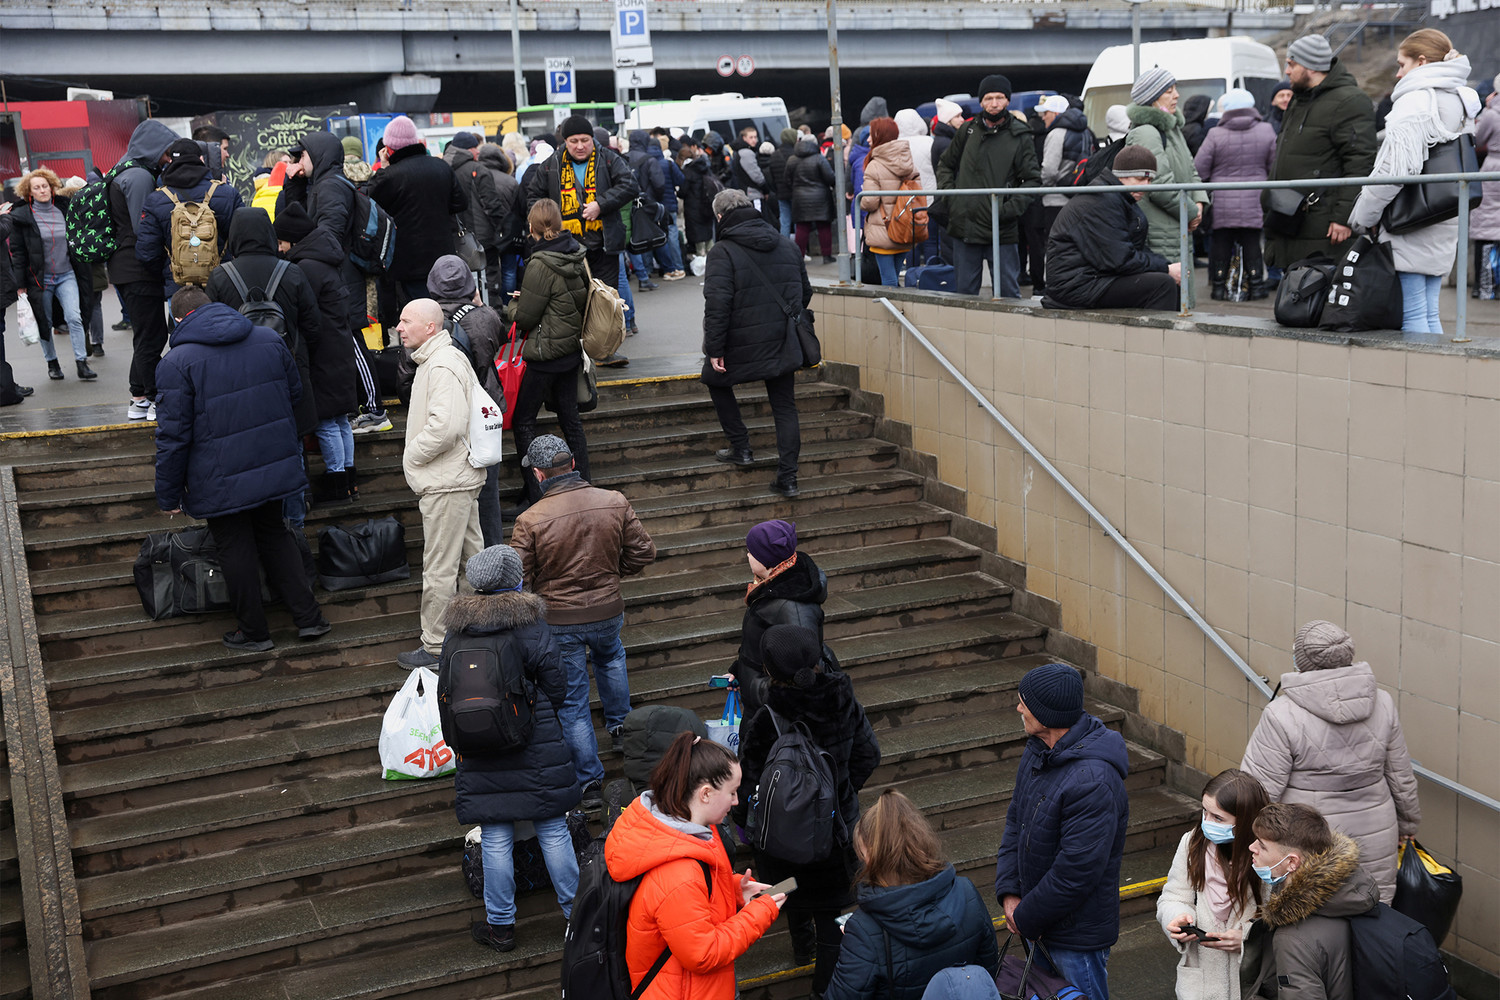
(54,371)
(1219,279)
(330,489)
(351,483)
(85,372)
(1257,289)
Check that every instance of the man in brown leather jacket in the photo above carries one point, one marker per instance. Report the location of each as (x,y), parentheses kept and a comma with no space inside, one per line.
(576,542)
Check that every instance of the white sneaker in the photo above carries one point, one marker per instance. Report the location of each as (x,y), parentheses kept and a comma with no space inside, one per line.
(367,423)
(138,409)
(151,412)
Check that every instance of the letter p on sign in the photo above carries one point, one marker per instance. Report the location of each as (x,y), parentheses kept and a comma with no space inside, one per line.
(632,23)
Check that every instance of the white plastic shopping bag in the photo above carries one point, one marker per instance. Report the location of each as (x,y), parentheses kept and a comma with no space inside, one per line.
(27,320)
(486,423)
(725,730)
(411,737)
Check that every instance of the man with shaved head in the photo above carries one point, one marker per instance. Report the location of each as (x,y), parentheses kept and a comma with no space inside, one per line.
(436,463)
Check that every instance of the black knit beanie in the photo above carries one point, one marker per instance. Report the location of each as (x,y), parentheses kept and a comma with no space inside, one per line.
(791,654)
(1053,693)
(293,224)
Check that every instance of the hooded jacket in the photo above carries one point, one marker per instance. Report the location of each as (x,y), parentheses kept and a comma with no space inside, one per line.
(226,436)
(911,127)
(550,308)
(512,218)
(486,213)
(1095,239)
(328,195)
(1326,131)
(697,203)
(251,245)
(1309,955)
(1332,740)
(673,907)
(984,156)
(912,932)
(615,187)
(744,167)
(189,182)
(436,456)
(648,169)
(744,322)
(1161,133)
(335,378)
(890,165)
(422,195)
(794,596)
(810,177)
(1194,121)
(1064,836)
(536,781)
(1067,141)
(127,194)
(776,167)
(1242,147)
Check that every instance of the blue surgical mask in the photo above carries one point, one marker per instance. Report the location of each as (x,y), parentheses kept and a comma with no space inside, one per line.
(1219,833)
(1267,877)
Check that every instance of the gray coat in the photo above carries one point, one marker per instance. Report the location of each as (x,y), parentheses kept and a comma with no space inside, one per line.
(1332,740)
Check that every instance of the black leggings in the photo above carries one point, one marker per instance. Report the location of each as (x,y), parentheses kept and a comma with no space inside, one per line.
(559,390)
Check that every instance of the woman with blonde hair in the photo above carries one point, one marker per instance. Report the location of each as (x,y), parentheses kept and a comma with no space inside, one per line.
(46,267)
(1432,104)
(916,916)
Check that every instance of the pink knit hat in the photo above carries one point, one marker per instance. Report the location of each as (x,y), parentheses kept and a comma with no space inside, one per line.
(400,133)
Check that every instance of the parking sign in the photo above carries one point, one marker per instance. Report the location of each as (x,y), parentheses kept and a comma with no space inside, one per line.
(630,28)
(560,88)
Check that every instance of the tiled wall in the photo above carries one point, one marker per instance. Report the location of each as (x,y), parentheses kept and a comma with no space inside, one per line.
(1272,481)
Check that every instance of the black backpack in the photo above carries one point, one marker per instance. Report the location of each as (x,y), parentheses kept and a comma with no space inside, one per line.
(461,338)
(593,963)
(486,704)
(1302,292)
(1394,958)
(260,305)
(372,233)
(90,224)
(1102,159)
(794,808)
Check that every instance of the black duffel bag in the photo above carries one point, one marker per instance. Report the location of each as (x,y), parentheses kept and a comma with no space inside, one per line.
(1303,290)
(1365,294)
(1427,890)
(361,555)
(178,573)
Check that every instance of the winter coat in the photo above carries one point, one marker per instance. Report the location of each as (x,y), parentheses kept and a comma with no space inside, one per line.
(1095,239)
(127,194)
(1307,918)
(1066,143)
(537,780)
(744,167)
(1194,126)
(697,208)
(744,322)
(648,169)
(335,377)
(252,248)
(671,176)
(576,542)
(226,436)
(615,187)
(811,179)
(794,596)
(890,166)
(674,908)
(153,241)
(486,333)
(911,127)
(1428,104)
(1202,973)
(512,213)
(776,171)
(982,156)
(1161,133)
(328,195)
(28,260)
(485,216)
(436,456)
(1326,131)
(913,932)
(1332,740)
(421,194)
(648,732)
(1064,835)
(8,287)
(1484,222)
(1241,147)
(554,296)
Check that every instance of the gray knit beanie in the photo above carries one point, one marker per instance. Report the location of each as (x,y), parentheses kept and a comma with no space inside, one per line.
(497,568)
(1322,645)
(1152,84)
(1312,52)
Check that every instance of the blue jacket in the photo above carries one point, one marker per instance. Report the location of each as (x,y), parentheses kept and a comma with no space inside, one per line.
(1064,834)
(154,229)
(674,177)
(928,927)
(226,437)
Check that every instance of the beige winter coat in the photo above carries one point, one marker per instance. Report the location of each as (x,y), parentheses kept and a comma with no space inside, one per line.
(890,166)
(1332,740)
(1202,973)
(436,458)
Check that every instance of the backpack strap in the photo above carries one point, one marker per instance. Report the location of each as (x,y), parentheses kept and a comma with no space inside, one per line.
(281,266)
(761,274)
(239,282)
(661,960)
(461,312)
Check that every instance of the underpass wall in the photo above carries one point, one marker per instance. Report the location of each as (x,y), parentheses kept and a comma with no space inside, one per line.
(1271,478)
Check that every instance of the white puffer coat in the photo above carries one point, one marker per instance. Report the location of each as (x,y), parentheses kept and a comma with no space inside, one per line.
(1202,973)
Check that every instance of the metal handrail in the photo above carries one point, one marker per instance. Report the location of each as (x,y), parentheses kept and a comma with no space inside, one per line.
(1184,210)
(1261,683)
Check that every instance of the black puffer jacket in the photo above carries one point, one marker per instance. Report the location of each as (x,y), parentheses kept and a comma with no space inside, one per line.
(252,246)
(536,781)
(1194,121)
(776,169)
(486,215)
(335,378)
(794,596)
(744,322)
(1096,238)
(697,207)
(503,176)
(422,195)
(615,187)
(810,177)
(327,195)
(648,732)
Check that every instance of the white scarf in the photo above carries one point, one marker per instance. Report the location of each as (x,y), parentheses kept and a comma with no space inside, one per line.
(1414,125)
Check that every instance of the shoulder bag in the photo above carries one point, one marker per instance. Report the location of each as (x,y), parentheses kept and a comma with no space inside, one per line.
(801,321)
(1419,205)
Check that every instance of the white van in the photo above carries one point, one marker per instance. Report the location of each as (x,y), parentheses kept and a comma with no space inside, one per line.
(1207,66)
(725,114)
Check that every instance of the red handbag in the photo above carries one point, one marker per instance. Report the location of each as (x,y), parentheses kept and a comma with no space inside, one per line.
(511,368)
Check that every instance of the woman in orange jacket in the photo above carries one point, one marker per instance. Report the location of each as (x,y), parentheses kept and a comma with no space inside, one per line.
(669,835)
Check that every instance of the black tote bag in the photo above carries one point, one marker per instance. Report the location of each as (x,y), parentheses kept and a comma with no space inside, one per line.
(1419,205)
(1365,294)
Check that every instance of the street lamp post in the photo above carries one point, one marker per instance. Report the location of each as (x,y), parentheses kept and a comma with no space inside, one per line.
(836,126)
(1135,34)
(515,53)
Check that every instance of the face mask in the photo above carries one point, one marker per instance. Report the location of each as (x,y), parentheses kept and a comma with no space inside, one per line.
(1267,877)
(1219,833)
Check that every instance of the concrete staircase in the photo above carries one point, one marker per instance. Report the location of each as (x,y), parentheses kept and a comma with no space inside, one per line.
(230,827)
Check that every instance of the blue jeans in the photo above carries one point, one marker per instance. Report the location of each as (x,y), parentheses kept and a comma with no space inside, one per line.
(336,442)
(496,841)
(63,287)
(508,262)
(642,264)
(623,287)
(1419,302)
(601,642)
(890,267)
(785,208)
(669,254)
(968,269)
(294,507)
(1087,970)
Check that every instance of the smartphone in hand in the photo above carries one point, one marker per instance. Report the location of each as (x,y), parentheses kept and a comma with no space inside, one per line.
(786,885)
(1197,932)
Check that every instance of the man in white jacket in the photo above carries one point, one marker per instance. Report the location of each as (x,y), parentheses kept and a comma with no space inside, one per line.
(436,463)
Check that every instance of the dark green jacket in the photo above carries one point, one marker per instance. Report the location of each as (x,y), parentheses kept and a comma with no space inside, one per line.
(1328,131)
(983,157)
(554,292)
(1161,133)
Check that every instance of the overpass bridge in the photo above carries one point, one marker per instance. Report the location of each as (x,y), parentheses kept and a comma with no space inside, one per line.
(306,49)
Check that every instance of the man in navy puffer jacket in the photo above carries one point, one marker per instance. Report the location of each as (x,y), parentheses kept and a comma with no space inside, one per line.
(1059,867)
(227,451)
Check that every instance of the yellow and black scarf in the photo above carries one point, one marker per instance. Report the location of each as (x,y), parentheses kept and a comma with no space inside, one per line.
(572,201)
